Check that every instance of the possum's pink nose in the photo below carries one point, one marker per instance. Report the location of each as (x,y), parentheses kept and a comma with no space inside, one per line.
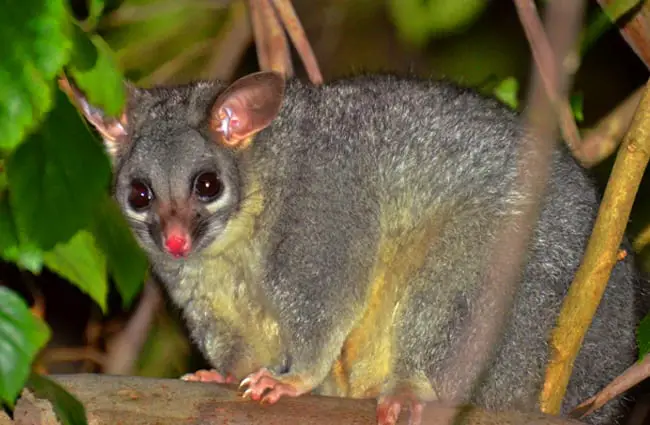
(177,244)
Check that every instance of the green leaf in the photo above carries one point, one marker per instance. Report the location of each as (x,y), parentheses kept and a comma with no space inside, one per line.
(28,257)
(12,248)
(617,8)
(82,263)
(418,20)
(643,336)
(57,177)
(3,176)
(68,409)
(103,83)
(35,46)
(126,260)
(597,25)
(577,102)
(95,9)
(22,335)
(8,232)
(84,55)
(507,91)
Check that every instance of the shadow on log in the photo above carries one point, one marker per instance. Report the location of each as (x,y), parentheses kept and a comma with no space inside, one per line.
(148,401)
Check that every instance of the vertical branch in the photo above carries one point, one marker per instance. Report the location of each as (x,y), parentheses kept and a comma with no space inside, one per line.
(259,31)
(269,19)
(124,349)
(299,38)
(271,41)
(600,256)
(280,55)
(545,62)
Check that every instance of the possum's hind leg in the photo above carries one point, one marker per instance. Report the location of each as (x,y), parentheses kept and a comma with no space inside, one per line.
(421,341)
(398,394)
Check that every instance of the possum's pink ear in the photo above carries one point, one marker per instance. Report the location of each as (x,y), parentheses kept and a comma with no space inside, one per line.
(112,129)
(246,107)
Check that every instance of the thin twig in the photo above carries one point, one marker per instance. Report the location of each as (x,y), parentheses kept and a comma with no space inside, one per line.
(259,33)
(632,376)
(72,354)
(124,349)
(299,38)
(276,40)
(545,61)
(601,141)
(92,336)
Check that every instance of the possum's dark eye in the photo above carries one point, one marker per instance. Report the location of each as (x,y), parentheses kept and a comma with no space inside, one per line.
(140,196)
(208,186)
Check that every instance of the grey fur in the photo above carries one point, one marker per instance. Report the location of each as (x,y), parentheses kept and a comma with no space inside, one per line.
(339,162)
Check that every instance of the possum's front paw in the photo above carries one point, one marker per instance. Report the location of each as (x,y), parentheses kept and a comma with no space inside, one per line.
(267,387)
(208,376)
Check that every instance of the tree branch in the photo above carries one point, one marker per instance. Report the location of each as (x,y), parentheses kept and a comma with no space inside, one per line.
(636,373)
(600,256)
(149,401)
(297,34)
(601,141)
(545,61)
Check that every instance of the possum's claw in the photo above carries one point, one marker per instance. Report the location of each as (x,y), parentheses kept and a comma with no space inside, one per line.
(208,376)
(268,388)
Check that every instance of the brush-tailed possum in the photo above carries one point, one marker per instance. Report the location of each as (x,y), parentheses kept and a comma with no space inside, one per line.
(332,239)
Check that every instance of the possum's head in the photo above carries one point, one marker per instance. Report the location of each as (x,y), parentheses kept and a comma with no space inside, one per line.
(175,157)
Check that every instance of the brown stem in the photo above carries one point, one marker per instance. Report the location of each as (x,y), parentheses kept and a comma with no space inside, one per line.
(72,354)
(546,64)
(278,45)
(602,141)
(299,38)
(125,347)
(632,376)
(259,33)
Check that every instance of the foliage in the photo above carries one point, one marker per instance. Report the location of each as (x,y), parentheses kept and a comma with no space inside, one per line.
(643,337)
(507,91)
(55,208)
(419,20)
(68,409)
(21,336)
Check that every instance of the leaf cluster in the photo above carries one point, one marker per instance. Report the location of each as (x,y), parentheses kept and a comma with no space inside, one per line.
(56,210)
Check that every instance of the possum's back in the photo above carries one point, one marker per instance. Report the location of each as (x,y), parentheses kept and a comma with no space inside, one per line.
(433,148)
